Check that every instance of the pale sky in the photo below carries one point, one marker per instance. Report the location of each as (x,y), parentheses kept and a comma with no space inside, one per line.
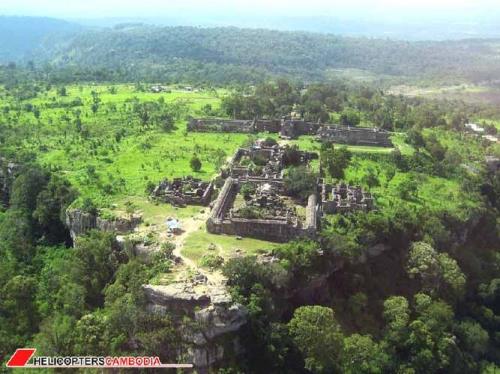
(165,8)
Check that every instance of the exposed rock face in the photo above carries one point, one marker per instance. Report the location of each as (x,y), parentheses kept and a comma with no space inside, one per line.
(216,318)
(7,174)
(312,290)
(79,222)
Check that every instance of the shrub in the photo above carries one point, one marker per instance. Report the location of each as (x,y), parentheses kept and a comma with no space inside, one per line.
(195,164)
(212,261)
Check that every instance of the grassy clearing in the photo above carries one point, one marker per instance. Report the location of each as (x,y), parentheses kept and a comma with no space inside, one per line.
(399,141)
(155,213)
(111,156)
(432,193)
(197,244)
(148,157)
(309,143)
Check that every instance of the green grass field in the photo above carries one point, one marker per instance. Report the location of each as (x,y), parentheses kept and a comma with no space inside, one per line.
(432,193)
(197,244)
(112,156)
(309,143)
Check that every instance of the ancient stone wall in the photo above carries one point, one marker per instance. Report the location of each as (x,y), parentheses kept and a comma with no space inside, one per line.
(295,128)
(222,204)
(312,214)
(355,136)
(272,126)
(221,125)
(291,128)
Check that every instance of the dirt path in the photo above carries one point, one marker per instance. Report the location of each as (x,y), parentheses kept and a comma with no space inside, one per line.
(189,226)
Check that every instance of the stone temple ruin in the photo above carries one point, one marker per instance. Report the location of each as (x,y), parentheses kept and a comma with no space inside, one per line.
(254,203)
(354,135)
(184,191)
(344,199)
(253,200)
(264,216)
(293,128)
(263,162)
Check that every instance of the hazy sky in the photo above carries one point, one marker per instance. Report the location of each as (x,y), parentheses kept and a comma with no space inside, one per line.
(410,9)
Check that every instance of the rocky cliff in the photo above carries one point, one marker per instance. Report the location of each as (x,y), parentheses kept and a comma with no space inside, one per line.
(7,174)
(216,319)
(79,222)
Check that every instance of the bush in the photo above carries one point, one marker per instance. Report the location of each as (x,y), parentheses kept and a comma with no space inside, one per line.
(269,142)
(212,261)
(247,190)
(88,206)
(150,186)
(300,182)
(195,164)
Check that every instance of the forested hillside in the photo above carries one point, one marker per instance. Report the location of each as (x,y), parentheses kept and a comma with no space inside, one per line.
(228,55)
(222,54)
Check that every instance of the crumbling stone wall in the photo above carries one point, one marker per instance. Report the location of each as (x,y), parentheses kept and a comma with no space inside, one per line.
(292,128)
(354,135)
(221,125)
(227,125)
(271,125)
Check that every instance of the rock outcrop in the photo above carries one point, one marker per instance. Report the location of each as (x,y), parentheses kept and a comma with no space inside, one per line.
(79,222)
(215,318)
(309,291)
(7,174)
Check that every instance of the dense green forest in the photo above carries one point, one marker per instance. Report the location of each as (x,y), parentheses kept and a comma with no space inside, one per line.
(155,52)
(224,55)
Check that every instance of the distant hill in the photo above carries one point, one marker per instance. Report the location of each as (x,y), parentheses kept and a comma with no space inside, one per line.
(20,37)
(224,53)
(133,52)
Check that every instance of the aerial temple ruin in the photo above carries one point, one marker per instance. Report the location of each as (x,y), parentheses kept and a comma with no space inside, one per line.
(253,202)
(343,198)
(293,128)
(183,191)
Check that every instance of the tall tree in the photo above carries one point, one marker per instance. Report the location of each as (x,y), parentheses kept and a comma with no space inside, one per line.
(317,334)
